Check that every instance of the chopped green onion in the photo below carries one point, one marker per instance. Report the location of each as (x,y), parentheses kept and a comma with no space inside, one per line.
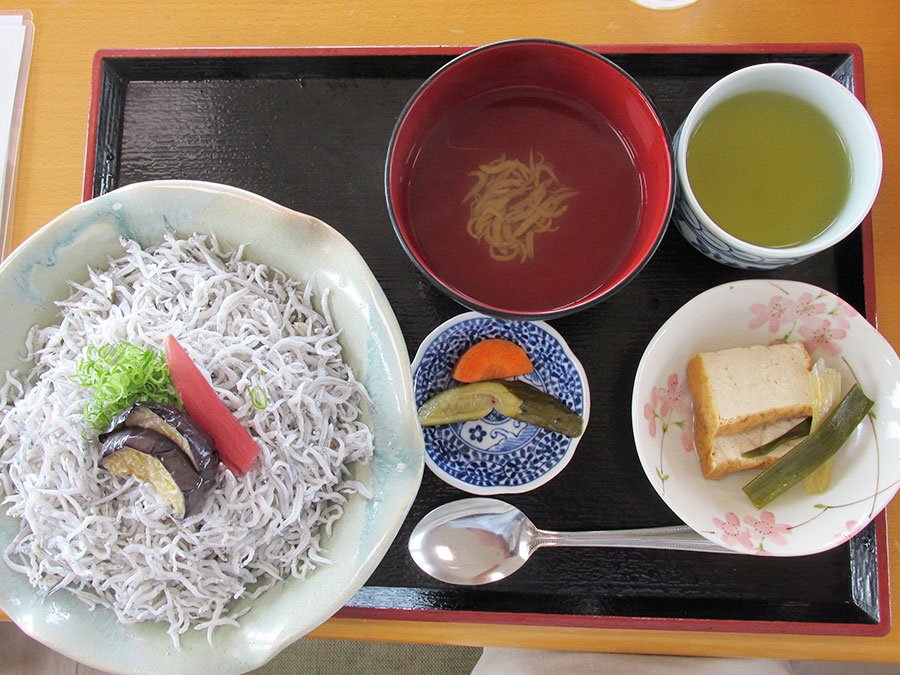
(812,452)
(258,397)
(119,375)
(797,431)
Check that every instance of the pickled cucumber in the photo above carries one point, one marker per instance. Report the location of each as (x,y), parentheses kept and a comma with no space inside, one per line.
(518,400)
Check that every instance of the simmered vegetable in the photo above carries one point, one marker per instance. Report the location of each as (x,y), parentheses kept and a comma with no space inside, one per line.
(236,448)
(197,445)
(811,452)
(512,398)
(825,384)
(491,359)
(151,457)
(798,431)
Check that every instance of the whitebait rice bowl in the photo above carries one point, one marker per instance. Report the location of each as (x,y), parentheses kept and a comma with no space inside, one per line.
(273,360)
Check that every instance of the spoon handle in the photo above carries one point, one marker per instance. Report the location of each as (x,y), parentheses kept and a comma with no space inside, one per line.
(675,538)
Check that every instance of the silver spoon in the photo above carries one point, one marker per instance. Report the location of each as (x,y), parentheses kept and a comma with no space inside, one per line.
(480,540)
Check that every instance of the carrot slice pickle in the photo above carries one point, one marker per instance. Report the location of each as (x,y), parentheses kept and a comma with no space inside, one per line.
(491,359)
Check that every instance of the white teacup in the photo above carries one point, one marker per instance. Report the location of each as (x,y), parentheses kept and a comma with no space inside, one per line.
(844,111)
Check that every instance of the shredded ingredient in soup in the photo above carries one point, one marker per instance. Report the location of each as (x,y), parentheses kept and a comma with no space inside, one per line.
(112,540)
(513,202)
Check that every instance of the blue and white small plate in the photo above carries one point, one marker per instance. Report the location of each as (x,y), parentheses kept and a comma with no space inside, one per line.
(497,454)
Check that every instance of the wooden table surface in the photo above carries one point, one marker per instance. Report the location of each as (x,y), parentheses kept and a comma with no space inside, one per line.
(68,33)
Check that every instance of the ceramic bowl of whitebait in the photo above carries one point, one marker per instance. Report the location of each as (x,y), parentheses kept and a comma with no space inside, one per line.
(285,320)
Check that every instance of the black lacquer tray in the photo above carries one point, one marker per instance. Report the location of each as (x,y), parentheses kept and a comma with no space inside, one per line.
(309,128)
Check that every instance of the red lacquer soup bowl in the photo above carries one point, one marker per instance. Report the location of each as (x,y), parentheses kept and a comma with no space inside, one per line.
(529,178)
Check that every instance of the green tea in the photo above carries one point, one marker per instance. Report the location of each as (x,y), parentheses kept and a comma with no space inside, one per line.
(769,168)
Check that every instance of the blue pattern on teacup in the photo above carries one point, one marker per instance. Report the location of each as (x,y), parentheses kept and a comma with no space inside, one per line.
(497,452)
(711,244)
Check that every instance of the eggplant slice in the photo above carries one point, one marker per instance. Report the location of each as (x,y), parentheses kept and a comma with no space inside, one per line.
(165,447)
(174,424)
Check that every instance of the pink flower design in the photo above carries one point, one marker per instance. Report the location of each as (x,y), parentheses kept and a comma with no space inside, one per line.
(808,315)
(732,532)
(655,400)
(847,534)
(805,308)
(842,313)
(687,434)
(650,415)
(774,314)
(822,336)
(672,405)
(767,529)
(677,395)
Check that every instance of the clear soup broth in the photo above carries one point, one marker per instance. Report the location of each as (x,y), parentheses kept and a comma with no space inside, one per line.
(769,168)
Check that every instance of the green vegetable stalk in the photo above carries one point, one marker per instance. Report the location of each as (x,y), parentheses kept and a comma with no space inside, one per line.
(811,452)
(798,431)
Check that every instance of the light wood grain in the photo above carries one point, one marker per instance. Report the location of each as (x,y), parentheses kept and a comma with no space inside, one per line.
(55,124)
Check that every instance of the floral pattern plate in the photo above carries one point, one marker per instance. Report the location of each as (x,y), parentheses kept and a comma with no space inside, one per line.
(496,454)
(866,471)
